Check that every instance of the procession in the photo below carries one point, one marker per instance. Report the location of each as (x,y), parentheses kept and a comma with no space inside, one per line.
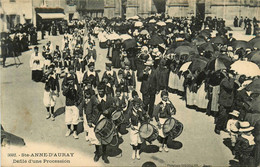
(131,87)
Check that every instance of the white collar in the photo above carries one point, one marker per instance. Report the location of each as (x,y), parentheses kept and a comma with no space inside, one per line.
(110,72)
(103,98)
(249,138)
(90,72)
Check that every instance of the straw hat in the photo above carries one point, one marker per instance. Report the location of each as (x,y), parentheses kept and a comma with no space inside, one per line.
(245,127)
(235,113)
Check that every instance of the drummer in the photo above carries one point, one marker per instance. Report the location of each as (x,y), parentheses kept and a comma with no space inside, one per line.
(137,116)
(100,106)
(164,110)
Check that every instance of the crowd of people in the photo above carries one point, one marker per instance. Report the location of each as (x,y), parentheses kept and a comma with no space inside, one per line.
(239,22)
(212,73)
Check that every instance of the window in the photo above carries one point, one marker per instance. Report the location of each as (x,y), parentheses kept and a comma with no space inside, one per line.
(12,0)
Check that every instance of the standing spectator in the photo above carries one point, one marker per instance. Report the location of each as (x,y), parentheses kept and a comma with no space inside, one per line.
(241,21)
(235,21)
(226,98)
(248,27)
(149,87)
(3,50)
(245,22)
(36,65)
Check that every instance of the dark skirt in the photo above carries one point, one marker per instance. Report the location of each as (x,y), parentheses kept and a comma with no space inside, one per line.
(116,62)
(248,31)
(37,75)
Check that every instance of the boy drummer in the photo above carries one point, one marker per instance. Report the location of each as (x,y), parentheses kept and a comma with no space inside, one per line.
(164,110)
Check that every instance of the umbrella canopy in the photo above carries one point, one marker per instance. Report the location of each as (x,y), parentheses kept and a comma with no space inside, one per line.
(168,21)
(125,37)
(144,32)
(138,24)
(218,40)
(198,41)
(256,57)
(207,47)
(161,23)
(219,63)
(254,86)
(129,43)
(181,50)
(257,45)
(113,36)
(198,64)
(240,44)
(205,33)
(185,66)
(246,68)
(253,41)
(155,40)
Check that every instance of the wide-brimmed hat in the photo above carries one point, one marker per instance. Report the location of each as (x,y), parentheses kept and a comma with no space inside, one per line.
(149,63)
(235,113)
(245,127)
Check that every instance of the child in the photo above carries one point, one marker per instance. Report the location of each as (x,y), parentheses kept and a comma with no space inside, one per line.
(232,126)
(164,110)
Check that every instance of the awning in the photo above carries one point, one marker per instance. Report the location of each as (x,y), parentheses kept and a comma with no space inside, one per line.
(52,15)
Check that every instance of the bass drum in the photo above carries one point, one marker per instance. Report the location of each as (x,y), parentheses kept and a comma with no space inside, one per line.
(105,130)
(148,132)
(172,127)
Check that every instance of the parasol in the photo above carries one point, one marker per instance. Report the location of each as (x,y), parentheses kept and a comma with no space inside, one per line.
(240,44)
(254,86)
(129,43)
(207,47)
(257,45)
(181,50)
(113,36)
(218,40)
(253,41)
(155,40)
(198,41)
(133,18)
(219,63)
(246,68)
(185,66)
(198,64)
(152,21)
(168,21)
(125,37)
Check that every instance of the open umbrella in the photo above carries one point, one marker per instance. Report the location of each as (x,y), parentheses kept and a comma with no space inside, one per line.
(113,36)
(129,43)
(144,32)
(253,41)
(207,47)
(184,50)
(246,68)
(155,40)
(161,23)
(198,64)
(138,24)
(185,66)
(219,63)
(257,45)
(240,44)
(198,41)
(168,21)
(205,33)
(255,57)
(218,40)
(125,37)
(254,86)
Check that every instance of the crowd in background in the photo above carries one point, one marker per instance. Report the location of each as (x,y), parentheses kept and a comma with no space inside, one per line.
(199,60)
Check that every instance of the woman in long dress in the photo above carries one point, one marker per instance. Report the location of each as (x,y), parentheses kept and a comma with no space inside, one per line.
(116,53)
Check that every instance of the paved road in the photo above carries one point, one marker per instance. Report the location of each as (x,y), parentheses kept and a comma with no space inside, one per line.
(23,114)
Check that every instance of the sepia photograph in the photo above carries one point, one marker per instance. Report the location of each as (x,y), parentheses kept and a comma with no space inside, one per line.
(140,83)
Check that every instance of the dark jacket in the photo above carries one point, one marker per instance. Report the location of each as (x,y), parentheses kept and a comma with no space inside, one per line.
(149,82)
(226,95)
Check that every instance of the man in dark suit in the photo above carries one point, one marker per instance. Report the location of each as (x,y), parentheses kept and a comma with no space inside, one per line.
(230,39)
(149,87)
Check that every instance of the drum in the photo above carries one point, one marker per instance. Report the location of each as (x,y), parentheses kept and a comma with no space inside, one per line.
(104,131)
(148,132)
(118,118)
(172,127)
